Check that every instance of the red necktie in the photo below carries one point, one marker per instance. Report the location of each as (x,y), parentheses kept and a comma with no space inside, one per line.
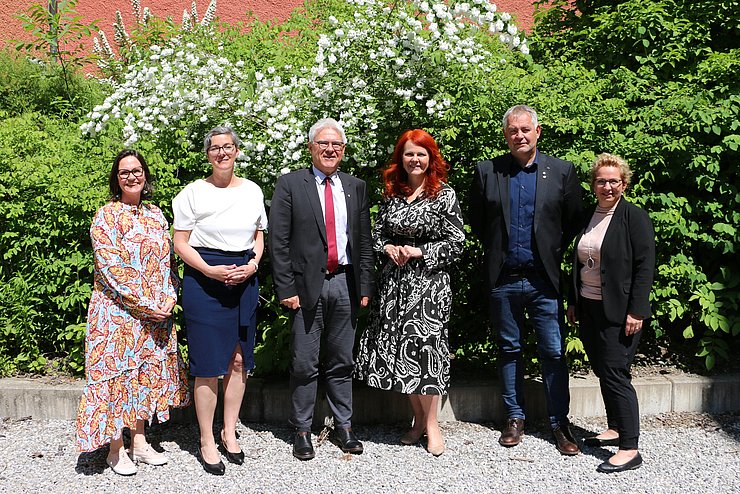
(331,233)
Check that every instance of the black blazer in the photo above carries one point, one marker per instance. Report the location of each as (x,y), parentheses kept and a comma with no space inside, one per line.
(297,240)
(627,263)
(557,211)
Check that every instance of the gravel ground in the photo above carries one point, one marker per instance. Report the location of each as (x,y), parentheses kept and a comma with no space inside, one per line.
(682,452)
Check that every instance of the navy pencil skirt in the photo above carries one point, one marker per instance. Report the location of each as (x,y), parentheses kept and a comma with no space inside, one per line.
(217,317)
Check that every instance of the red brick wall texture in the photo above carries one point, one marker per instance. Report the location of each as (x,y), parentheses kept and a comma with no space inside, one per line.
(228,10)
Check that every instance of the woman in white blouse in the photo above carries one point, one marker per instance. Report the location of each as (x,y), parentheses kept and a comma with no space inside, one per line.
(219,233)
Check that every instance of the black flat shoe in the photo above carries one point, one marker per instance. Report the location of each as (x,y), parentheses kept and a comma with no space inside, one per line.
(595,442)
(235,458)
(212,468)
(607,467)
(302,447)
(347,441)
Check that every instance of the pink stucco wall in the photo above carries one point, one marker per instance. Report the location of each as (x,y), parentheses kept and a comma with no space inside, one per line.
(227,10)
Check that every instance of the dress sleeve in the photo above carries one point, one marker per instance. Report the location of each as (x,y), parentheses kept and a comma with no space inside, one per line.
(117,267)
(168,261)
(380,232)
(440,253)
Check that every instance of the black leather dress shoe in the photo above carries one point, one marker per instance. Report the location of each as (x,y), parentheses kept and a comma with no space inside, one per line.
(347,441)
(597,443)
(212,468)
(607,467)
(302,447)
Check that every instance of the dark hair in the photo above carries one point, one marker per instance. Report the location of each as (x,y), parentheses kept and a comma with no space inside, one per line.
(395,178)
(115,189)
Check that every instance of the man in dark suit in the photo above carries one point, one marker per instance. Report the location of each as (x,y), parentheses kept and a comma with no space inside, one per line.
(321,253)
(525,207)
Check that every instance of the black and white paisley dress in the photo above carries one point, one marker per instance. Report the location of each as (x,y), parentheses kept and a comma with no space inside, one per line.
(405,347)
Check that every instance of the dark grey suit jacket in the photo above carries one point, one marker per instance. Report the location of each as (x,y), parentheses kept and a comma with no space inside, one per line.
(297,240)
(558,208)
(627,263)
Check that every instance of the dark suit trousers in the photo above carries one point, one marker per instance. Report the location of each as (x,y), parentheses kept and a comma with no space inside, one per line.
(611,353)
(333,321)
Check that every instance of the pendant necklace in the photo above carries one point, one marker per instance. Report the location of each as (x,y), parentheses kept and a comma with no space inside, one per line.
(590,263)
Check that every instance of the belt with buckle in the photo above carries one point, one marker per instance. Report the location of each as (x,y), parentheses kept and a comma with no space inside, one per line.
(342,268)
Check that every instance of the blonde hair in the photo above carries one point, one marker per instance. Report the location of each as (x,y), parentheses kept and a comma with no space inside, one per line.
(606,159)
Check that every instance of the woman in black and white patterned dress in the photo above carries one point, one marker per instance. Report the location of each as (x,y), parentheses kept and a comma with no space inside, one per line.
(418,234)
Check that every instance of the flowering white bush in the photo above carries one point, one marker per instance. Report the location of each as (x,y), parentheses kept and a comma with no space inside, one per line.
(378,69)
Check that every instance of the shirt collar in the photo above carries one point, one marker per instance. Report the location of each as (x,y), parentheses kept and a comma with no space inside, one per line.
(320,176)
(516,167)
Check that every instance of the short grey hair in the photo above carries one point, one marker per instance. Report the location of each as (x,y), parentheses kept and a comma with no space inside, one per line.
(326,123)
(518,110)
(221,130)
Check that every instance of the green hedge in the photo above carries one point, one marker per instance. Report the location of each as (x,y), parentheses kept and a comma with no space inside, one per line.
(665,98)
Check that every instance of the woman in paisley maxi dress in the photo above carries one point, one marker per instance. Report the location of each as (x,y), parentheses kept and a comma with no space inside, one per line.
(133,368)
(417,235)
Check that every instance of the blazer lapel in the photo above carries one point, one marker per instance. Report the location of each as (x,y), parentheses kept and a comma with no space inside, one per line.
(612,230)
(313,199)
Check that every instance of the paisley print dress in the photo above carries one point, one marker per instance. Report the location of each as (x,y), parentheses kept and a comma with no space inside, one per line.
(405,346)
(132,364)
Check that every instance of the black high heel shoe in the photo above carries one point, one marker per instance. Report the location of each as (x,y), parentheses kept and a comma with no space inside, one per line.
(235,458)
(212,468)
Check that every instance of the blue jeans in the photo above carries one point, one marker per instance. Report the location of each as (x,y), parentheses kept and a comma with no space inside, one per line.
(508,303)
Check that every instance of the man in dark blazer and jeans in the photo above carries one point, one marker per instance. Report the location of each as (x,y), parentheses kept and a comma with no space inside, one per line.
(525,207)
(321,254)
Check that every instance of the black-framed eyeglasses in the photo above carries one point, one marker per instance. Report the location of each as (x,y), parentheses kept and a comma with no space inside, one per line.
(614,182)
(335,145)
(136,172)
(226,148)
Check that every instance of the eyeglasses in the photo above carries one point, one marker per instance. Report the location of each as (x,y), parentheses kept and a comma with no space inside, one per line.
(614,182)
(136,172)
(227,148)
(335,145)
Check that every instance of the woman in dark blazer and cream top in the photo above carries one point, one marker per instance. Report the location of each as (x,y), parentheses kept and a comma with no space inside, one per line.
(613,266)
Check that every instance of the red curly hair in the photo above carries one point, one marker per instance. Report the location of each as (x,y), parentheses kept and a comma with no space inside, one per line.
(395,179)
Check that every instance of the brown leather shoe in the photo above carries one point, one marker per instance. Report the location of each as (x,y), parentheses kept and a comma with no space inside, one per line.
(512,433)
(565,442)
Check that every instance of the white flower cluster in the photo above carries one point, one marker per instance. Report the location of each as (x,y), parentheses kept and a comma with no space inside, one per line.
(166,90)
(373,71)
